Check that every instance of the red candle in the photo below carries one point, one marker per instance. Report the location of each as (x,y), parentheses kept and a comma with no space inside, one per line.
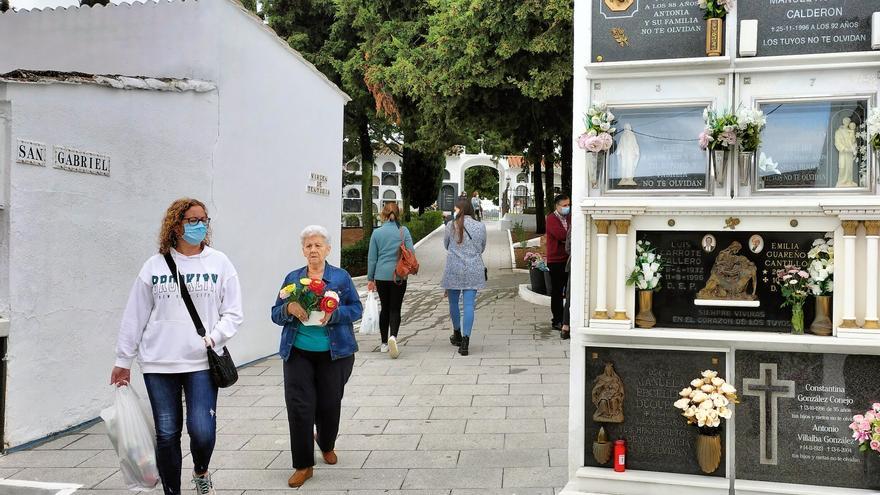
(620,455)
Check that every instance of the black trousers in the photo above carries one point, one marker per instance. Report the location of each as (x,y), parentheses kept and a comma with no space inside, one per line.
(391,296)
(566,314)
(558,279)
(313,389)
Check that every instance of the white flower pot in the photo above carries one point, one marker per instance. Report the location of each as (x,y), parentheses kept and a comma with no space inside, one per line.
(315,318)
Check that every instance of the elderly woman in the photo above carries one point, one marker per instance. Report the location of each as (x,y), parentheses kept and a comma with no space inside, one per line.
(318,358)
(465,272)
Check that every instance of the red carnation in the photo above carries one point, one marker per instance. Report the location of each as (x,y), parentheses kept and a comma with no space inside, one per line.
(329,305)
(317,286)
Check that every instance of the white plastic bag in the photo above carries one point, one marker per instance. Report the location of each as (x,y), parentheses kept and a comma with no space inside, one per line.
(370,319)
(133,435)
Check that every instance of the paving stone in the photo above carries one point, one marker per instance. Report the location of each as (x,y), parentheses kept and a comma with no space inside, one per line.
(468,413)
(535,440)
(247,412)
(537,412)
(409,459)
(436,400)
(362,426)
(475,390)
(479,370)
(47,458)
(556,425)
(504,491)
(60,442)
(504,458)
(335,479)
(475,441)
(91,442)
(506,426)
(407,390)
(237,401)
(393,413)
(372,400)
(508,400)
(238,459)
(454,478)
(536,477)
(559,458)
(87,477)
(445,379)
(347,459)
(499,379)
(255,427)
(378,442)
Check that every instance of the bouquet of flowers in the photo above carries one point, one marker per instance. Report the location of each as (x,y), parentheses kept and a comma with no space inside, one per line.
(720,132)
(536,261)
(716,9)
(874,128)
(705,403)
(794,283)
(600,129)
(312,295)
(750,122)
(648,270)
(821,267)
(866,429)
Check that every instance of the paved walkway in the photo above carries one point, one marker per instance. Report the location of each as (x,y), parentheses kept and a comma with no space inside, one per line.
(429,423)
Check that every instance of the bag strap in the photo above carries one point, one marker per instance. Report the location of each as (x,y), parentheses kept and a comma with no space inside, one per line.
(184,293)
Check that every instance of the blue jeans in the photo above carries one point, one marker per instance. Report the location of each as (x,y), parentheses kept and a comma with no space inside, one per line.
(470,298)
(164,390)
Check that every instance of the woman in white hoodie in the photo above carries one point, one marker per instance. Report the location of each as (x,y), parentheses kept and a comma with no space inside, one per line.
(158,330)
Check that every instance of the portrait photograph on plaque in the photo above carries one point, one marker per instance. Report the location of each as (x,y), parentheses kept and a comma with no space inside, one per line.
(814,145)
(655,150)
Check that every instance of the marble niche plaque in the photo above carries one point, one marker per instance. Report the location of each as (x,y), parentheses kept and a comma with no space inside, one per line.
(796,27)
(690,256)
(657,437)
(647,29)
(792,422)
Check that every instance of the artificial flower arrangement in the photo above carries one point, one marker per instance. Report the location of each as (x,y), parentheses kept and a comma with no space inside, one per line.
(821,267)
(749,124)
(716,9)
(873,126)
(794,284)
(312,295)
(706,402)
(648,270)
(600,129)
(866,429)
(536,261)
(720,132)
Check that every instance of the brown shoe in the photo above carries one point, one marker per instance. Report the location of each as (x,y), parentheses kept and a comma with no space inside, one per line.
(330,457)
(299,477)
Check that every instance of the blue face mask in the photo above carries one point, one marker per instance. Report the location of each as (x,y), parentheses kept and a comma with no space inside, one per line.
(195,234)
(565,211)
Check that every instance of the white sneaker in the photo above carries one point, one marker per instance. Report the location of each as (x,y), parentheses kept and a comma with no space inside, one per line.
(384,348)
(392,346)
(203,483)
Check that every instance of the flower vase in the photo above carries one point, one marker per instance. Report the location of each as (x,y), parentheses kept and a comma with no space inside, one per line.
(797,319)
(315,318)
(714,37)
(708,450)
(719,162)
(597,170)
(746,164)
(645,318)
(822,323)
(872,470)
(537,281)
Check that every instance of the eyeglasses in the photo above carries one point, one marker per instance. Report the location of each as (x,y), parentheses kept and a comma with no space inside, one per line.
(196,220)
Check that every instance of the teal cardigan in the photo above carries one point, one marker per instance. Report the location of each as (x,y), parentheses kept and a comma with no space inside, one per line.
(384,249)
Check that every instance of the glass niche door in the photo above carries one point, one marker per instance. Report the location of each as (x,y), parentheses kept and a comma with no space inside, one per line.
(656,151)
(812,145)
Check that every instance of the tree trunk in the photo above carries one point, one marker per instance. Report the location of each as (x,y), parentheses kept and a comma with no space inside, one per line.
(567,159)
(549,170)
(367,164)
(537,181)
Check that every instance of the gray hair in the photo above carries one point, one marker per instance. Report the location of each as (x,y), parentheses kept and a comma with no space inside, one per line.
(313,230)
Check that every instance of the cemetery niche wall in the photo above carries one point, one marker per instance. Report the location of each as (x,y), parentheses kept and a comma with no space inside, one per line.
(726,221)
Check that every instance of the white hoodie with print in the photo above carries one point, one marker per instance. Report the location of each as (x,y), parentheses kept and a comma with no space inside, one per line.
(156,326)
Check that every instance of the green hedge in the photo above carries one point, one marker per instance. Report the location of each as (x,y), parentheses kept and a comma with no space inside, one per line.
(354,257)
(421,225)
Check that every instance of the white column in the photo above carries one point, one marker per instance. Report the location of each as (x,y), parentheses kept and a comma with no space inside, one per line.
(601,312)
(872,228)
(620,275)
(849,273)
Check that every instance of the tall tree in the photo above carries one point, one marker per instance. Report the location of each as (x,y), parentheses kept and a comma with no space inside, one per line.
(484,180)
(92,3)
(4,5)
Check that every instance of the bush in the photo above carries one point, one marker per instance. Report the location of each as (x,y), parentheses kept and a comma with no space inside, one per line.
(351,221)
(354,258)
(519,233)
(421,225)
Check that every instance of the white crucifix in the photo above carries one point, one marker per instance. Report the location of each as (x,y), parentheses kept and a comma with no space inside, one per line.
(769,389)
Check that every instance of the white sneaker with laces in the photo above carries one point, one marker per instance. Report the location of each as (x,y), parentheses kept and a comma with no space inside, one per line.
(203,483)
(393,351)
(384,348)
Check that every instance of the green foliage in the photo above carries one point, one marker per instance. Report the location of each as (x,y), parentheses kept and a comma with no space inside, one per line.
(421,177)
(350,220)
(354,258)
(519,233)
(421,225)
(484,180)
(349,178)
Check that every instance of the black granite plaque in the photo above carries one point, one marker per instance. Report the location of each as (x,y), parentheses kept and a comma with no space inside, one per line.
(689,264)
(647,29)
(802,436)
(795,27)
(658,438)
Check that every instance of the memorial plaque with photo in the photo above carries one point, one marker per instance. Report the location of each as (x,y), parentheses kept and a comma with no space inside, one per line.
(689,258)
(792,422)
(656,149)
(795,27)
(647,29)
(813,144)
(657,437)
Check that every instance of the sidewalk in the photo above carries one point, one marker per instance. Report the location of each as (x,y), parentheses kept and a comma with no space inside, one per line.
(431,422)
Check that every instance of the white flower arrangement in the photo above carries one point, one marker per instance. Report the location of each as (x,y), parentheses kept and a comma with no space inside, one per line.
(707,401)
(821,267)
(648,270)
(600,129)
(873,127)
(749,124)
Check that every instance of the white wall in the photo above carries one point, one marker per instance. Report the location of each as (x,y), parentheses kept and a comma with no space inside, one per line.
(77,241)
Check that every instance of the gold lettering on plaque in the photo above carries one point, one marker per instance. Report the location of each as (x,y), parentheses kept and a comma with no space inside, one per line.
(730,277)
(608,396)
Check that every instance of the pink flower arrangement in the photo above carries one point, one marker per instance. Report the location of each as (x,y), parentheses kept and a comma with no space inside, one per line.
(599,123)
(705,139)
(866,429)
(728,138)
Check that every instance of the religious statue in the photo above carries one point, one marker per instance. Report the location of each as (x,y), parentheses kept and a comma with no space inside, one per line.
(845,142)
(627,156)
(608,396)
(730,277)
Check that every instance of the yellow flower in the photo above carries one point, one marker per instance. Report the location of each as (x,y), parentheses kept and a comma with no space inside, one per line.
(305,282)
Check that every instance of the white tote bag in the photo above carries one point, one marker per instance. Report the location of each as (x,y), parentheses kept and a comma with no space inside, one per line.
(133,435)
(370,319)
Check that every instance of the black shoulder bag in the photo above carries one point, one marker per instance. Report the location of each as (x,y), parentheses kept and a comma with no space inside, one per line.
(223,371)
(485,270)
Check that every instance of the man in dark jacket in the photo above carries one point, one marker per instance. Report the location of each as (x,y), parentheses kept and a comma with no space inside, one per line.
(558,223)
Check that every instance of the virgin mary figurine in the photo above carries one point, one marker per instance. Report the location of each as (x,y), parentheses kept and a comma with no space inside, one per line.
(627,156)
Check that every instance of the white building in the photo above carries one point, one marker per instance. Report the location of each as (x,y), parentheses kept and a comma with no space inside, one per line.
(387,175)
(211,105)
